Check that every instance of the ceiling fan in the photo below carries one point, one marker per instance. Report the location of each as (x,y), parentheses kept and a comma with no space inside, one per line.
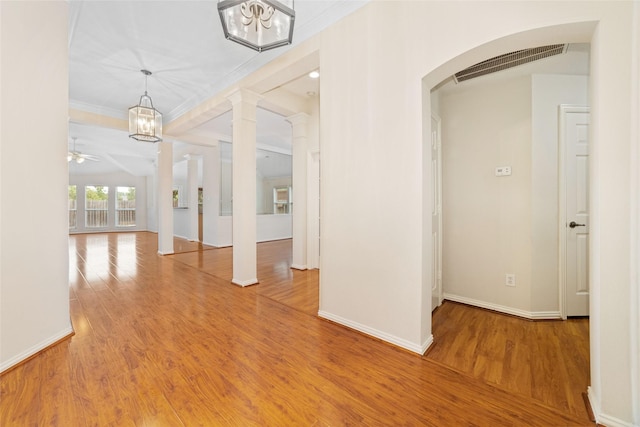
(78,156)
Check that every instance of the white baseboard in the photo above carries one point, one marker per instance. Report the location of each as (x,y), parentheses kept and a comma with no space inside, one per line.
(532,315)
(244,283)
(35,349)
(165,253)
(604,419)
(400,342)
(427,343)
(298,267)
(274,238)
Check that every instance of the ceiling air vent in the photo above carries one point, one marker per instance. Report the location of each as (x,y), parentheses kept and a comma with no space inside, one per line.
(509,60)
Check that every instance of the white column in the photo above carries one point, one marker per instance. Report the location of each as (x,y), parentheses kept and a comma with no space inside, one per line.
(165,198)
(211,195)
(313,210)
(313,186)
(192,192)
(299,178)
(244,187)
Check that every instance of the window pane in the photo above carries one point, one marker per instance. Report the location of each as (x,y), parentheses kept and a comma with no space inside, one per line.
(282,200)
(96,205)
(125,206)
(73,206)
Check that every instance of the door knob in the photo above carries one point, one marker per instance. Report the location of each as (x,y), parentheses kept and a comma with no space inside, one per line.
(573,224)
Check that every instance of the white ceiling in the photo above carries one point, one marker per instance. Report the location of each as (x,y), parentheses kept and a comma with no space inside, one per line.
(182,44)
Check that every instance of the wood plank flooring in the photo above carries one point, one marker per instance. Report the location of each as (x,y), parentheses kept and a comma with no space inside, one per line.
(169,341)
(545,360)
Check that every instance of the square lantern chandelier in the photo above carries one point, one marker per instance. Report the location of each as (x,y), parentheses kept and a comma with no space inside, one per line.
(258,24)
(145,122)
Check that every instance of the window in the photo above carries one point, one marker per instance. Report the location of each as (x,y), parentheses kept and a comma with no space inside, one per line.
(282,200)
(125,206)
(73,207)
(96,205)
(179,200)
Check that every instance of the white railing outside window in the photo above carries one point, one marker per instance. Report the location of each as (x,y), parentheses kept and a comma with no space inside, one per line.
(126,207)
(73,207)
(96,206)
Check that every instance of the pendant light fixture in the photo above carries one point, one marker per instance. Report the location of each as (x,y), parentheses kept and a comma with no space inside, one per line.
(258,24)
(145,122)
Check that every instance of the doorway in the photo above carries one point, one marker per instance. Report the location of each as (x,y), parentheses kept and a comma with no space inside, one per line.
(500,214)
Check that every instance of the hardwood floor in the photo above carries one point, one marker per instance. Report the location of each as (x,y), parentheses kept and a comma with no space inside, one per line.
(545,360)
(169,341)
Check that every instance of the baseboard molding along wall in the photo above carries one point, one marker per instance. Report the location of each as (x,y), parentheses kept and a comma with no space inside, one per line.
(531,315)
(400,342)
(604,419)
(43,345)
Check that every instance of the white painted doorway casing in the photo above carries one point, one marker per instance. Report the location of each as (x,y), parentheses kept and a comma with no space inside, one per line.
(436,212)
(574,210)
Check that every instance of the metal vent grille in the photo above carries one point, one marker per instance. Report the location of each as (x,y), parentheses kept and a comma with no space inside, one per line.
(509,60)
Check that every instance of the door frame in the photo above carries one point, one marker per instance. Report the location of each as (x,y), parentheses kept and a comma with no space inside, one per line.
(563,109)
(438,196)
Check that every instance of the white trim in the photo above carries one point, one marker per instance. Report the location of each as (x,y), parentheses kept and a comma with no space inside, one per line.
(563,109)
(400,342)
(531,315)
(165,253)
(439,208)
(604,419)
(244,283)
(427,343)
(298,267)
(36,348)
(100,110)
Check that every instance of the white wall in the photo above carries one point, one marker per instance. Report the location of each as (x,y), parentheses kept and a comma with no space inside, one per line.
(181,222)
(34,252)
(265,194)
(273,227)
(224,235)
(226,205)
(548,92)
(486,229)
(487,221)
(268,228)
(152,204)
(375,269)
(114,180)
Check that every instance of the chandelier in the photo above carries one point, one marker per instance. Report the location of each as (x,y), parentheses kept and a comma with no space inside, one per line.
(145,122)
(258,24)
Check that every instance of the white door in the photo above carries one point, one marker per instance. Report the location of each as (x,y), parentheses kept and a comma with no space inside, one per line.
(575,132)
(436,213)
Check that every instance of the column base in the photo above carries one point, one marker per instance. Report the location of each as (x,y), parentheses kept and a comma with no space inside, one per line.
(244,283)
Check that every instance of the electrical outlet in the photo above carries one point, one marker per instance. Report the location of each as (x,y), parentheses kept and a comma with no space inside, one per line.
(510,279)
(503,171)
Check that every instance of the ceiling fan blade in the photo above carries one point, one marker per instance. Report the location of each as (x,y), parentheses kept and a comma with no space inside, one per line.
(90,157)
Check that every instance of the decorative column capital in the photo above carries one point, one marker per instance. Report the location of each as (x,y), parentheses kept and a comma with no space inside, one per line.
(244,95)
(298,119)
(299,125)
